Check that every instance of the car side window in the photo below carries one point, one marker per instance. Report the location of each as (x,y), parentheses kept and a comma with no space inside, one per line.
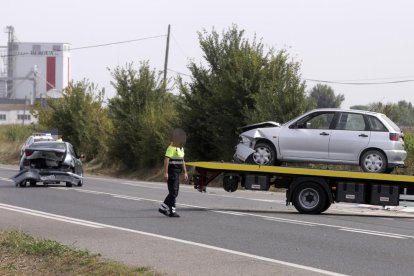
(351,121)
(376,125)
(320,121)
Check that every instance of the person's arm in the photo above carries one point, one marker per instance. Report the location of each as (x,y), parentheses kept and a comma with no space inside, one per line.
(185,171)
(166,161)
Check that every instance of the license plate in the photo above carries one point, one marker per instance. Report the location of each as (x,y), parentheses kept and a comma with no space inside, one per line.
(47,177)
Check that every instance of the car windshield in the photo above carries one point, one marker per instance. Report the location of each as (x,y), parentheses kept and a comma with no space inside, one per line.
(391,123)
(51,145)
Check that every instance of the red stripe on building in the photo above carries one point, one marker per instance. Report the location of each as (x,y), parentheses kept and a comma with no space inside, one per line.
(50,73)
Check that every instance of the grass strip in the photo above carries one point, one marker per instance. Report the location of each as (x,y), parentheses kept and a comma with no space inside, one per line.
(22,254)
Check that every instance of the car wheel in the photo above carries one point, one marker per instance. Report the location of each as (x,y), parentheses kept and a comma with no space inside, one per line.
(32,183)
(69,184)
(310,198)
(80,183)
(23,183)
(374,161)
(264,155)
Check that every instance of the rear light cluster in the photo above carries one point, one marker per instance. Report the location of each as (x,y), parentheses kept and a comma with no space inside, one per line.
(395,136)
(28,152)
(26,163)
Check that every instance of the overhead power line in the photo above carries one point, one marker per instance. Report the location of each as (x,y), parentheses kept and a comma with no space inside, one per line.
(117,42)
(361,83)
(178,72)
(96,45)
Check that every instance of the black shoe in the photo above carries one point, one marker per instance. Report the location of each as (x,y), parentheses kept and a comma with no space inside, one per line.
(164,212)
(174,215)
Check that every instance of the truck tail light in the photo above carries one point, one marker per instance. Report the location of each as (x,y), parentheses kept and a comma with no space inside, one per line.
(394,136)
(28,152)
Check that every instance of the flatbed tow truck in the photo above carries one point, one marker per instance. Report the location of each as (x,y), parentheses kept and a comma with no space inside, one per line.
(311,191)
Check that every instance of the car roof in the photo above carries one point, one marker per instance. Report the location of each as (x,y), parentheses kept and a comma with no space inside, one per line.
(346,110)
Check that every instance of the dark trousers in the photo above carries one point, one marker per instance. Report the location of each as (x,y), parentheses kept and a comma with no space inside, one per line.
(173,187)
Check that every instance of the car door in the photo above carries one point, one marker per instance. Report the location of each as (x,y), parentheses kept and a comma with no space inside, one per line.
(307,138)
(350,136)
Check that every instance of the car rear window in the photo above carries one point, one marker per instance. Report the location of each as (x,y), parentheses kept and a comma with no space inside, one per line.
(53,145)
(391,123)
(376,125)
(42,139)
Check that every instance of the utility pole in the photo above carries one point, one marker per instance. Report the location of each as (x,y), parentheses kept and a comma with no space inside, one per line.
(34,84)
(24,110)
(10,60)
(167,49)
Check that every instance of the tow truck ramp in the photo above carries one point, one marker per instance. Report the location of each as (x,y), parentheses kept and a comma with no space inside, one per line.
(311,191)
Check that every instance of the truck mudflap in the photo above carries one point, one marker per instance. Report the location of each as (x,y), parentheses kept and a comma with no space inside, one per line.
(46,176)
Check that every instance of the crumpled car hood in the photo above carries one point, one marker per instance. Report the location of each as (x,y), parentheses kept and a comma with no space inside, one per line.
(259,125)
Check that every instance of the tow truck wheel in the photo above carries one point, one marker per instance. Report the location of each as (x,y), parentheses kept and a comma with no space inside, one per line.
(327,205)
(310,198)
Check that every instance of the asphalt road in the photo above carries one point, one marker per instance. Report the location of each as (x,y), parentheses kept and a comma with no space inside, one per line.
(244,233)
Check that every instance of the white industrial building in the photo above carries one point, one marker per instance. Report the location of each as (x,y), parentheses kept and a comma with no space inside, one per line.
(30,71)
(15,111)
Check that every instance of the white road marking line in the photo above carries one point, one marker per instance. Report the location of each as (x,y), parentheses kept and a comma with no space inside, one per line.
(298,223)
(245,214)
(220,249)
(9,168)
(230,213)
(128,197)
(208,194)
(6,179)
(375,234)
(161,186)
(49,216)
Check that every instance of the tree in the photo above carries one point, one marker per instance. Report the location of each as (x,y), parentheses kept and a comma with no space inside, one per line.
(143,114)
(324,96)
(360,107)
(281,95)
(79,116)
(237,83)
(402,113)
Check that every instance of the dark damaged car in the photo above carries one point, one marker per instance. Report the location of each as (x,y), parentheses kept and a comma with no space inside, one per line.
(50,162)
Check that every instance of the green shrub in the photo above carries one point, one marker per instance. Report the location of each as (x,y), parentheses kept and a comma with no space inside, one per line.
(16,133)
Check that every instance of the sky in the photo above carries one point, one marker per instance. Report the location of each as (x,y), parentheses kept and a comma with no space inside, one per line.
(334,40)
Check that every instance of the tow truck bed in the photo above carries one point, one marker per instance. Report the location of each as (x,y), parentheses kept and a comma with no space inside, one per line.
(310,190)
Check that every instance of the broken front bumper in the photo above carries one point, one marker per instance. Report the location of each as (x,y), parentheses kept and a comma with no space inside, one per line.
(46,176)
(243,152)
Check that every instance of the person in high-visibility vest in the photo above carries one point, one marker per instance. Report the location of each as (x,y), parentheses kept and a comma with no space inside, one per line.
(174,165)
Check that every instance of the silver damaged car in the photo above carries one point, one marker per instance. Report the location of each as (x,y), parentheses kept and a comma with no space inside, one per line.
(334,136)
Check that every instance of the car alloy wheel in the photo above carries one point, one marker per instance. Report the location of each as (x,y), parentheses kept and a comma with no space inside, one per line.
(264,154)
(374,162)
